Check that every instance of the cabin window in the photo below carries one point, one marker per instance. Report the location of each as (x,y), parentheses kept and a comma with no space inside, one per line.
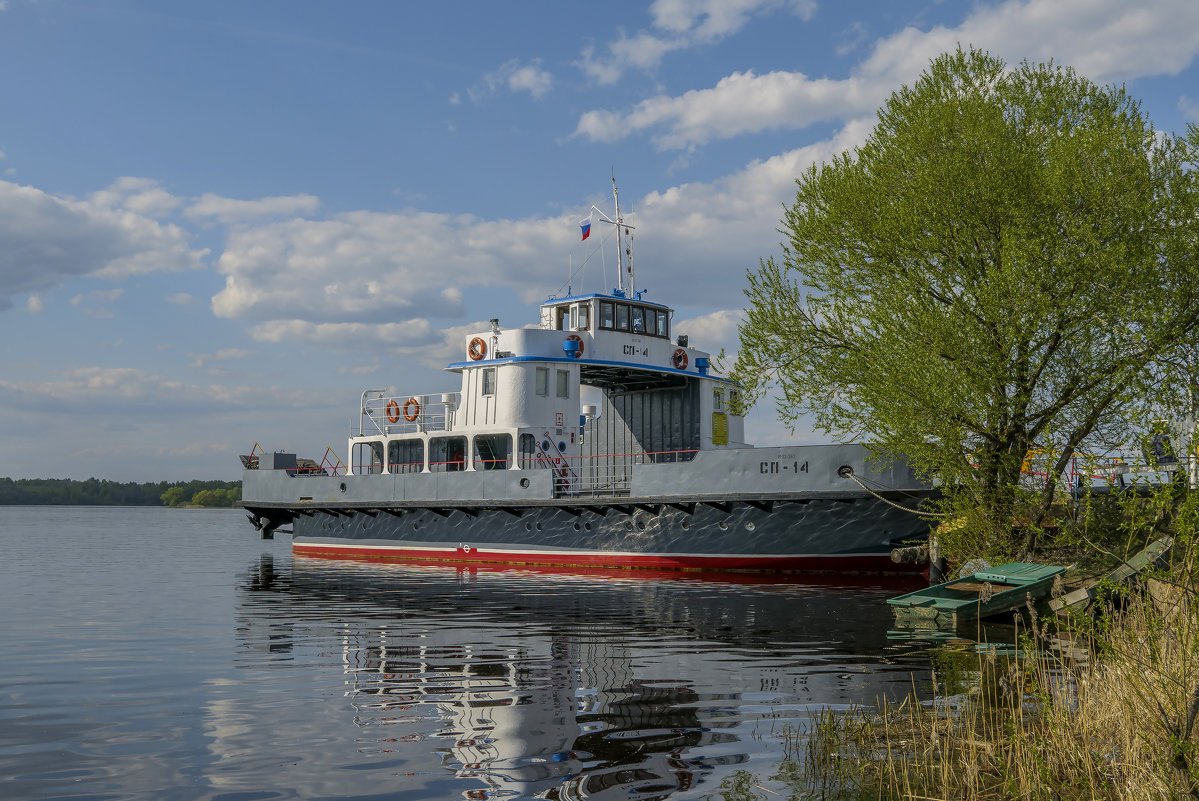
(563,383)
(405,456)
(488,380)
(368,458)
(527,453)
(607,314)
(560,317)
(638,319)
(584,314)
(663,324)
(447,454)
(718,400)
(651,322)
(493,451)
(622,317)
(542,385)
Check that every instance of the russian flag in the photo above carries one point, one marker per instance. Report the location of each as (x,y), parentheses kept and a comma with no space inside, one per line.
(585,225)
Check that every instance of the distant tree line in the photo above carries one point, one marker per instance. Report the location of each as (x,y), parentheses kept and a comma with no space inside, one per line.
(102,492)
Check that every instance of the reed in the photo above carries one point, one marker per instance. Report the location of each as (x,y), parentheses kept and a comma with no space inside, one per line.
(1116,720)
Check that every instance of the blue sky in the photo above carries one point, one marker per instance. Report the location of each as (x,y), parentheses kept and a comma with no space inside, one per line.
(221,221)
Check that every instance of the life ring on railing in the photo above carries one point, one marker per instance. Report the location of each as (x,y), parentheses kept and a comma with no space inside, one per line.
(411,409)
(393,412)
(575,338)
(679,359)
(477,349)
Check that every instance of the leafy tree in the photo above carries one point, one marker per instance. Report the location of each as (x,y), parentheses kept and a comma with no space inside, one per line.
(173,496)
(1002,266)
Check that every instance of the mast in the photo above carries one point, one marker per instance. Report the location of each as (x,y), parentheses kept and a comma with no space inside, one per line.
(624,262)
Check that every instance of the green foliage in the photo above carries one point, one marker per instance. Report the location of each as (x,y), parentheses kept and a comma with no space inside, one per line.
(1004,265)
(97,492)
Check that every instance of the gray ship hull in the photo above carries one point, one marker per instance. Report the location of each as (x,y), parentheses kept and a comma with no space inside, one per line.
(776,509)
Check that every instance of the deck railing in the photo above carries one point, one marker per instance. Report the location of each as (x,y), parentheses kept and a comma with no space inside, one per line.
(602,475)
(406,414)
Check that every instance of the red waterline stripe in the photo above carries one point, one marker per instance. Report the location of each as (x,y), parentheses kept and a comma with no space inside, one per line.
(833,563)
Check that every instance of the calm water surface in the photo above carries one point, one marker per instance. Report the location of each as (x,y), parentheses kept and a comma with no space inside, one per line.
(170,654)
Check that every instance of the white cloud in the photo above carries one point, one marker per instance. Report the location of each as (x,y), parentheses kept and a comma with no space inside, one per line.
(712,332)
(685,23)
(126,390)
(181,299)
(515,77)
(376,267)
(371,279)
(1103,39)
(231,210)
(45,239)
(140,195)
(1189,108)
(34,305)
(201,359)
(740,102)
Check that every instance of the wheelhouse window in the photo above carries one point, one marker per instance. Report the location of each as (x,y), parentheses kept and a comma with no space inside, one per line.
(493,451)
(614,316)
(563,383)
(718,400)
(488,380)
(607,315)
(560,317)
(542,381)
(584,316)
(447,454)
(405,456)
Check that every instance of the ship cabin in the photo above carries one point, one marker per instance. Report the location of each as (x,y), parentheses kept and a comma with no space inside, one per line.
(599,385)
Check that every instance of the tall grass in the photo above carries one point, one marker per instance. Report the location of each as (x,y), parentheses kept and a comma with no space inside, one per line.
(1117,720)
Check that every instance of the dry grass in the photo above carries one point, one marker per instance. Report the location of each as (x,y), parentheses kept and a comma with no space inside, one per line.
(1119,723)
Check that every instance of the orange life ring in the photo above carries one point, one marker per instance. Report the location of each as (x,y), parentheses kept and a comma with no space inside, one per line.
(579,339)
(679,359)
(477,349)
(393,412)
(411,409)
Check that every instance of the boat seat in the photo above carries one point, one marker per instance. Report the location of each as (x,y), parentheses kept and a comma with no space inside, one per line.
(980,586)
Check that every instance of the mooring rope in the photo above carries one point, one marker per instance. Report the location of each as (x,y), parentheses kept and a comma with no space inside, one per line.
(847,472)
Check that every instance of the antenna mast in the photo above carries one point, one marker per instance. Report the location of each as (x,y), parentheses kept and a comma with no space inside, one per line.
(626,285)
(624,252)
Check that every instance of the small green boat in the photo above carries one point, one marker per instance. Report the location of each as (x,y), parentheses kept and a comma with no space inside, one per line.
(985,593)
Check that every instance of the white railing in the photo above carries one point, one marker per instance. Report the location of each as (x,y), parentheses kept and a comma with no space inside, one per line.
(583,476)
(406,414)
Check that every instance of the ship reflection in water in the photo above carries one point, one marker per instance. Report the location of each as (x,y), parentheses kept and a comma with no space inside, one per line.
(521,683)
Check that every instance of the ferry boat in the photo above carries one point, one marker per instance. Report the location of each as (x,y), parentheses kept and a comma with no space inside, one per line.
(598,437)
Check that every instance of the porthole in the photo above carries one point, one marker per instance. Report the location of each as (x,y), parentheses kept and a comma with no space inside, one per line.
(524,483)
(415,526)
(628,525)
(724,526)
(342,487)
(537,526)
(749,526)
(528,527)
(641,525)
(686,524)
(576,526)
(587,527)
